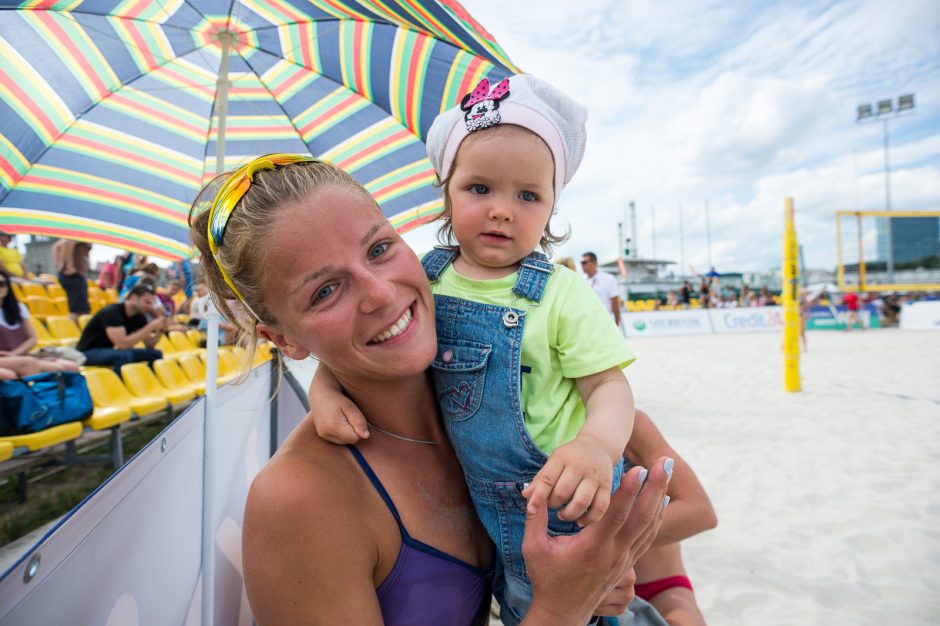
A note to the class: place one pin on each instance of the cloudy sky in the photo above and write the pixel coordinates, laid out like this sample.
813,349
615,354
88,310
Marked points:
735,104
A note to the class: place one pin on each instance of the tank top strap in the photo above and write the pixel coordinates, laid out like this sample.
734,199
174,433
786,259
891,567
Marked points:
533,276
379,488
437,260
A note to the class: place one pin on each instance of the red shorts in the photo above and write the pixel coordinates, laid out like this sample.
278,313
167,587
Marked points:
655,587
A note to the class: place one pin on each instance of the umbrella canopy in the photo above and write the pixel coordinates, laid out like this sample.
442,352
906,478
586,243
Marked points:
114,112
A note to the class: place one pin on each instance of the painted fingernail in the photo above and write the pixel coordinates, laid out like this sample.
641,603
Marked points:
525,486
641,477
667,466
665,502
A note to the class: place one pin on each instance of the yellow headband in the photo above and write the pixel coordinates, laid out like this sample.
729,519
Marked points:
234,188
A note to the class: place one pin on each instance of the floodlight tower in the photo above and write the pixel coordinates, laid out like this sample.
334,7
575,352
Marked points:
885,111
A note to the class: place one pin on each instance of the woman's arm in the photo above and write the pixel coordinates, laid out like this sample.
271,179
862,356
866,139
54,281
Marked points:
31,339
690,510
306,561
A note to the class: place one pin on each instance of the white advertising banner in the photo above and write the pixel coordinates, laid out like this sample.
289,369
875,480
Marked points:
660,323
129,554
747,319
923,315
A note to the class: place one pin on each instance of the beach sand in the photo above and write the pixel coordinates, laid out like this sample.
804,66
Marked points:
828,500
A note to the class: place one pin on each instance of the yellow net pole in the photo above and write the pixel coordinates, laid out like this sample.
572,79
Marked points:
791,305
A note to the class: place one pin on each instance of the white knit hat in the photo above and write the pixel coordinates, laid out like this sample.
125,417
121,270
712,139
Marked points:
521,100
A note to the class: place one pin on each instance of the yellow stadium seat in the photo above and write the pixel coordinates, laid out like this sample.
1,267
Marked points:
44,438
263,353
242,358
172,377
83,320
181,342
6,450
55,290
195,369
110,295
60,305
107,390
43,335
63,329
196,337
106,417
18,291
34,289
40,307
141,381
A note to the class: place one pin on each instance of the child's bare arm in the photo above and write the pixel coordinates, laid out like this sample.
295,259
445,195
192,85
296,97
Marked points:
578,473
336,417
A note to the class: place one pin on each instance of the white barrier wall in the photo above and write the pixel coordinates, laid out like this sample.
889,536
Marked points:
703,321
923,315
130,553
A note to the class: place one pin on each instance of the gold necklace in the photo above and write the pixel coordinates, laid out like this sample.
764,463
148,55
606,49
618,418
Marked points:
402,437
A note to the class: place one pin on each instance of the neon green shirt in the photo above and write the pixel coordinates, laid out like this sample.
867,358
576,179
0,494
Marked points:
568,336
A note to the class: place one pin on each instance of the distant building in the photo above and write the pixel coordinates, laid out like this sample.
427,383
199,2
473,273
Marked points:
912,238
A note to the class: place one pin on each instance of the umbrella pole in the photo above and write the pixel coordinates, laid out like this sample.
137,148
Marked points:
212,368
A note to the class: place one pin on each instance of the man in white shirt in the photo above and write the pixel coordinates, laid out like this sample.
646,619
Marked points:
603,284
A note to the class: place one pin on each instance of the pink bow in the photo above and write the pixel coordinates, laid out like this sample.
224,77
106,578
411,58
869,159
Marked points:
482,92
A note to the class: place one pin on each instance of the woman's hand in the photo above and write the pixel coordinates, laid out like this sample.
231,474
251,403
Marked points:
572,575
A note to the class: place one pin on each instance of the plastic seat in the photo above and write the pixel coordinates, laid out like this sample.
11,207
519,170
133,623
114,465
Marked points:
229,367
110,295
47,438
6,450
34,289
263,353
141,381
107,390
18,291
195,369
242,358
40,306
43,336
197,337
106,417
172,377
55,290
63,329
182,343
83,320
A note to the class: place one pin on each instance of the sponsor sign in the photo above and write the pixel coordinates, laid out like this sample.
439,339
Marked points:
747,319
661,323
923,315
834,317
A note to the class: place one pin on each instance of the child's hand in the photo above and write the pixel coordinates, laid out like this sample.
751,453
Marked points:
578,474
338,419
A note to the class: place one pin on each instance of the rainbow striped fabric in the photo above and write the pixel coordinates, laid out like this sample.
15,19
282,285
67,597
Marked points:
109,119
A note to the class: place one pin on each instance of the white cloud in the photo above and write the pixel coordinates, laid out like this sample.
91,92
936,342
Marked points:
737,104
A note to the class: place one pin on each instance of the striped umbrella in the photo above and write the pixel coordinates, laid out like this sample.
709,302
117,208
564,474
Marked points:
115,112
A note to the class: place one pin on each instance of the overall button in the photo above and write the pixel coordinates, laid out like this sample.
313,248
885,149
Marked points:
448,356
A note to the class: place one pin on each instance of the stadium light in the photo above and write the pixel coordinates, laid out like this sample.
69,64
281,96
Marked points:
885,112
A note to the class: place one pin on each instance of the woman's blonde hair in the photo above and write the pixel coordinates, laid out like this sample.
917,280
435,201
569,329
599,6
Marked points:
241,251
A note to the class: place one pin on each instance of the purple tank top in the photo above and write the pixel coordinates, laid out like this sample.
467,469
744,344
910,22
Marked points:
427,586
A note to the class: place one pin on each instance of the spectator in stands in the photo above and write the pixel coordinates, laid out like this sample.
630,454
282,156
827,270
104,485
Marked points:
110,336
17,335
745,295
167,297
11,261
765,298
603,284
72,262
672,299
150,272
704,296
685,294
13,367
108,273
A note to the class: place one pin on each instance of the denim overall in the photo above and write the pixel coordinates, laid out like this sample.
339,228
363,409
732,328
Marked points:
477,376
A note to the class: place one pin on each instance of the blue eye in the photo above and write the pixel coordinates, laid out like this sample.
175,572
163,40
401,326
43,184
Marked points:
480,189
528,196
378,250
324,292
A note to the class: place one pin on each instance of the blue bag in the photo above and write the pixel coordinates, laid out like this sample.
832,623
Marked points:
33,403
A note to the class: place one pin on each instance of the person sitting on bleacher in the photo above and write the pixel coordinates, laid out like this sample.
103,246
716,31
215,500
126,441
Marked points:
11,261
111,334
17,335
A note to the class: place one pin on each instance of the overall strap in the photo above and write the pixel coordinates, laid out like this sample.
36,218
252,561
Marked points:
437,260
533,275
